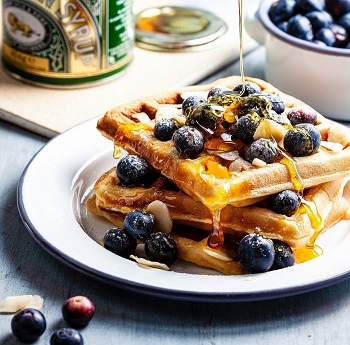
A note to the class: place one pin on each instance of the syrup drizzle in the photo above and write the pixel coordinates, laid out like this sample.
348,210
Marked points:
216,238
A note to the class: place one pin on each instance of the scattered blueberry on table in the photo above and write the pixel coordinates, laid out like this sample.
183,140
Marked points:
78,311
66,336
322,22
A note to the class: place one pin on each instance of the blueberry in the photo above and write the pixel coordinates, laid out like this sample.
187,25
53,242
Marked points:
283,26
319,20
284,256
299,26
189,141
344,21
337,7
78,311
277,102
66,336
164,129
134,171
285,202
28,325
302,115
120,242
302,140
305,6
139,224
190,102
246,127
281,10
256,253
161,247
326,36
262,149
250,88
341,36
217,90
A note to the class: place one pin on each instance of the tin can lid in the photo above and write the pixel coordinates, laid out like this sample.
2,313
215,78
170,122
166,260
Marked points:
177,28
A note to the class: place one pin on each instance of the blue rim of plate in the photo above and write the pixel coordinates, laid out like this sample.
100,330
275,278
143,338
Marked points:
155,291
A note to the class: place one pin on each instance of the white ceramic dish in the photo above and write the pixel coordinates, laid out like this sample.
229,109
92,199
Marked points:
51,194
317,75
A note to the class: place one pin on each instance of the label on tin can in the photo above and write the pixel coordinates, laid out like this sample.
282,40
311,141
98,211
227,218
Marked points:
67,42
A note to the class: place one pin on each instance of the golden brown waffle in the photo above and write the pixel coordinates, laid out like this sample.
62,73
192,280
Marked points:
111,198
198,177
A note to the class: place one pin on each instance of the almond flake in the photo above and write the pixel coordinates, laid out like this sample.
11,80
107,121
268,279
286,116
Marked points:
258,163
142,117
167,112
148,263
268,129
218,255
335,147
12,304
162,218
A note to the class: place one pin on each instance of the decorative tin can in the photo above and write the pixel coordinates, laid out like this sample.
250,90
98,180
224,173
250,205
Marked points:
67,43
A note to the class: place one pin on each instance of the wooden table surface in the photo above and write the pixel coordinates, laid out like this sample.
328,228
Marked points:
318,318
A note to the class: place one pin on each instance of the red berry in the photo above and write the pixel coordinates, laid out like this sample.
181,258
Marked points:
78,311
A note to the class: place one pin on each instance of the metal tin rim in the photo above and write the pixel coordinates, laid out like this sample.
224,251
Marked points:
215,29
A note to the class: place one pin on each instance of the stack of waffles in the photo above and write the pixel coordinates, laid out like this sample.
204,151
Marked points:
193,189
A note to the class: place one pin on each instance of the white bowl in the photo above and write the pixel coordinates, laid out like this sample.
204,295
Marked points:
320,76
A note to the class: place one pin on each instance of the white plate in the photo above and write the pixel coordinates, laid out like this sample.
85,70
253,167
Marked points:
51,194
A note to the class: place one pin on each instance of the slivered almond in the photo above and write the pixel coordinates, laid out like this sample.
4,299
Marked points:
12,304
270,129
162,218
218,255
258,163
148,263
167,112
335,147
142,117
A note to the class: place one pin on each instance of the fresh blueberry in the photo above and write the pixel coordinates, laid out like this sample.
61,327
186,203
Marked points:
281,10
302,115
164,129
284,256
283,26
191,101
189,141
326,36
262,149
341,36
305,6
344,21
337,7
120,242
161,247
28,325
66,336
217,90
319,19
277,102
249,88
246,127
134,171
299,26
139,224
302,140
285,202
256,253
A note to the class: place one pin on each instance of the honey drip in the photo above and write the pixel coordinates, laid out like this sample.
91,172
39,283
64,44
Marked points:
216,238
116,151
310,250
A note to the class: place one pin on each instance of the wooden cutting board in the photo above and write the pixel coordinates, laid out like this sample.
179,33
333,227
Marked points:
51,111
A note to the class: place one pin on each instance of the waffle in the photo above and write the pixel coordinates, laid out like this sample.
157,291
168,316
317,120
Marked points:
112,201
199,177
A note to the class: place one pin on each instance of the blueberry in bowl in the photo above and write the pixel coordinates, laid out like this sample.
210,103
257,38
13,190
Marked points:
306,50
